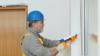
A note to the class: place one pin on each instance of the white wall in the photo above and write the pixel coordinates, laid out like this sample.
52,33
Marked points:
75,27
57,17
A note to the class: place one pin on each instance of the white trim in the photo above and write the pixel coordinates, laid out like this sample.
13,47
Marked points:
82,22
98,27
75,27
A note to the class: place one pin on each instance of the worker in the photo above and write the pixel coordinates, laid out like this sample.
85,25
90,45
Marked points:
33,44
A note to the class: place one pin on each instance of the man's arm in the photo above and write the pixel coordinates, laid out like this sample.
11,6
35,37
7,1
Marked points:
50,43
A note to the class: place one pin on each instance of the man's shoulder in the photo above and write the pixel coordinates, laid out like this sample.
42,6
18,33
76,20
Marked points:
27,34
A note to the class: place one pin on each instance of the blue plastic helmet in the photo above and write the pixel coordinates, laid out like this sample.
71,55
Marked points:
35,15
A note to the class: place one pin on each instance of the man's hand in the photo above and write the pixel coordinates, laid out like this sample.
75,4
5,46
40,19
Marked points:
61,46
67,42
53,51
71,39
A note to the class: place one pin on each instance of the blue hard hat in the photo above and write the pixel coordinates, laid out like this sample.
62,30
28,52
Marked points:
35,15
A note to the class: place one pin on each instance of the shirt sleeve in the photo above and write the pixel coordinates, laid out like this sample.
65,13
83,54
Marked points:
51,43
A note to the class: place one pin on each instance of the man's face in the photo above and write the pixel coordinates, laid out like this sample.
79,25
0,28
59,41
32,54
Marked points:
38,26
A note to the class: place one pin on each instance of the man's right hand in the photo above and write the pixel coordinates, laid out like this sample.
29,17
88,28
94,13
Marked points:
65,43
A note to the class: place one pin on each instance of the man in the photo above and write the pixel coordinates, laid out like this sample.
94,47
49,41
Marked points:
33,44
